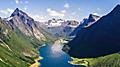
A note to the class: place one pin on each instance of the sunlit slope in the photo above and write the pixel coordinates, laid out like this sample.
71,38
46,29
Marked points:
15,49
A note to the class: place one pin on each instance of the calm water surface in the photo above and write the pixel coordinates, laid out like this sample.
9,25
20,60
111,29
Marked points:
53,56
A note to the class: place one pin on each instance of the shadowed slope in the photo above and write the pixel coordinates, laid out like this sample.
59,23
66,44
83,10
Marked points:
102,38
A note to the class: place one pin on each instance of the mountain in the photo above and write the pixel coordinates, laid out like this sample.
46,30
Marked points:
100,39
87,22
59,27
20,20
91,20
13,52
20,36
71,26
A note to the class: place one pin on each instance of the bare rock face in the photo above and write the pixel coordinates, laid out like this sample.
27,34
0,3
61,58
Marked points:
102,38
59,27
25,24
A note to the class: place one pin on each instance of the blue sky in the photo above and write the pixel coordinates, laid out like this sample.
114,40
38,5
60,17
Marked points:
66,9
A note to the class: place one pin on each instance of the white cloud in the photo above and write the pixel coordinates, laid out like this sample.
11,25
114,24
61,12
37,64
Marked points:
73,13
10,10
95,14
21,1
98,9
25,8
17,1
63,11
66,5
6,11
55,13
39,18
48,10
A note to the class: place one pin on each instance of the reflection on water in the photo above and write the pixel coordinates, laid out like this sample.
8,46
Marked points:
53,56
57,50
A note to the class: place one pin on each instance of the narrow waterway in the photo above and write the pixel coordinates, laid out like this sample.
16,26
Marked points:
53,56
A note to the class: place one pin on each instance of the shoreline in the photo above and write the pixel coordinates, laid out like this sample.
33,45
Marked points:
36,64
76,61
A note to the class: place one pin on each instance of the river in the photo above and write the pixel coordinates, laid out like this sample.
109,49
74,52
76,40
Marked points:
53,56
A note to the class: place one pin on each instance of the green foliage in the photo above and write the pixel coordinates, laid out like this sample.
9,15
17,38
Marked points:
15,49
107,61
112,60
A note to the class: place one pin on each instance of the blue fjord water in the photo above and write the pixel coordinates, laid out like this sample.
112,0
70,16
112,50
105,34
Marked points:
53,56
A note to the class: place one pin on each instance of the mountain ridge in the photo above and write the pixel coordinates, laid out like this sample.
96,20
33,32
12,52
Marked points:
87,22
25,24
98,39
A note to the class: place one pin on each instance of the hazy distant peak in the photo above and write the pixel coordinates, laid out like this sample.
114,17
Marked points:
94,16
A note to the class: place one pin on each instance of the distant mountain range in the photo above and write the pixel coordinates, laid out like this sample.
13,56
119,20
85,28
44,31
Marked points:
59,27
100,39
68,28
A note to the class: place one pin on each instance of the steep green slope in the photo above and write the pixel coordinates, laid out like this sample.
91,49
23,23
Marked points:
112,60
107,61
15,49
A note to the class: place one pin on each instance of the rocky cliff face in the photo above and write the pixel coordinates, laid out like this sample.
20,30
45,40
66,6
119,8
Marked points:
18,32
100,39
20,20
13,52
59,27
